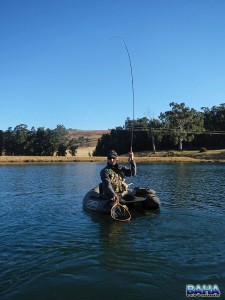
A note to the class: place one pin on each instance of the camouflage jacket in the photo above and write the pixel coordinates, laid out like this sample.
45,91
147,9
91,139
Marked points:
113,179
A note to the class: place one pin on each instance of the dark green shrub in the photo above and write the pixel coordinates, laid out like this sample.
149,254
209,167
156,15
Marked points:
203,149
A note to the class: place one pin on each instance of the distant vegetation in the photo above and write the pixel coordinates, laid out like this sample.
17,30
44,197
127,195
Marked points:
178,128
37,142
181,127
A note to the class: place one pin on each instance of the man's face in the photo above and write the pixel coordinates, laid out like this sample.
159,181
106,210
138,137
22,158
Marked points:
112,160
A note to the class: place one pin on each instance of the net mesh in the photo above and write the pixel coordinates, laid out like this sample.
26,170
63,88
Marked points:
120,212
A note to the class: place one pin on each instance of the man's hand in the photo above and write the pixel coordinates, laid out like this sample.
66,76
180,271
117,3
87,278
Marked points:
131,155
116,198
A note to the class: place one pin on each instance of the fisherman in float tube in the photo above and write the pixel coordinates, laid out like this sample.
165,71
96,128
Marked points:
113,176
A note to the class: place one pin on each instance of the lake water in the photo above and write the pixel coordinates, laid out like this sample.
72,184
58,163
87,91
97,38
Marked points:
52,249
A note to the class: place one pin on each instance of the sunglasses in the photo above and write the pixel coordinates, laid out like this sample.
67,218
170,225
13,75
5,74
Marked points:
111,157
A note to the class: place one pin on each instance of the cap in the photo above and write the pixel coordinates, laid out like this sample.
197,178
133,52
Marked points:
112,154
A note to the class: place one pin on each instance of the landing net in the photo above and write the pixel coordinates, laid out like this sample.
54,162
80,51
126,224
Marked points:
120,212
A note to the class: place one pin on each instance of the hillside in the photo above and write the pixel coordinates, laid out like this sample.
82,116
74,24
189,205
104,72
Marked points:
88,140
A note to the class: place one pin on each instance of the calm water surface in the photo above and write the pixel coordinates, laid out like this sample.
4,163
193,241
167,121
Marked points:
52,249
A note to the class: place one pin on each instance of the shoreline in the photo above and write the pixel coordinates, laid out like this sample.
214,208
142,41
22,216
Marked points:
11,160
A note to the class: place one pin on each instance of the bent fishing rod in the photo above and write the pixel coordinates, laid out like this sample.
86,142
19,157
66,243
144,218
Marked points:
132,84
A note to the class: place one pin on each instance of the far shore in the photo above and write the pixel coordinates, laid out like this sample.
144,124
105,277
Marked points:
144,157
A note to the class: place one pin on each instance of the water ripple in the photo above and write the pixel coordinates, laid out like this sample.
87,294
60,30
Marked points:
52,249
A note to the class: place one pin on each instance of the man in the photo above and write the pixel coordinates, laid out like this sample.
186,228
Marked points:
113,176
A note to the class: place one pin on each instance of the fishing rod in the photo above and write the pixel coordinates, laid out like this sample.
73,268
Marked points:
132,84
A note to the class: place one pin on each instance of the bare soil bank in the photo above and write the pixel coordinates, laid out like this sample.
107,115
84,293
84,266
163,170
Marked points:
144,157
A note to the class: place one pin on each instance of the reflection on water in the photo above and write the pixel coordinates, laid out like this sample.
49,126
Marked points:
52,249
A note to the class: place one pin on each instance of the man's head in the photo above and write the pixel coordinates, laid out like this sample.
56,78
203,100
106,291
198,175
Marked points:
112,157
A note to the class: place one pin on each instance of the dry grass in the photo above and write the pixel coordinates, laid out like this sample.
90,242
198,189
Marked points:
44,159
143,157
84,151
91,135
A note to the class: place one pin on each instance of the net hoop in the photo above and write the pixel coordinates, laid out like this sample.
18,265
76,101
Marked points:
123,210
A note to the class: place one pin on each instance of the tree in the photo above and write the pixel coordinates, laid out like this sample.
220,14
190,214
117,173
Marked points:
214,118
140,123
9,141
1,141
103,145
73,146
20,135
42,144
153,124
182,122
60,140
156,135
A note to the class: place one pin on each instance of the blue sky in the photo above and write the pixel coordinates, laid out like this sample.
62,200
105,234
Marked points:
60,65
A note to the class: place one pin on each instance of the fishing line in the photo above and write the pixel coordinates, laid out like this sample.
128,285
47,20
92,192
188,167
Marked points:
132,84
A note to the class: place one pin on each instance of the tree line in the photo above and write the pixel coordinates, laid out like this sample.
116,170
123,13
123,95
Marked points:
178,128
37,142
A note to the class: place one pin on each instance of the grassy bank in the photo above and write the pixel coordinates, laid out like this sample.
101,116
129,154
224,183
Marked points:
142,157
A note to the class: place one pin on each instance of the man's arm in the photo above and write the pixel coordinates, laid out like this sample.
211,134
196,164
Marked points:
106,184
132,170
